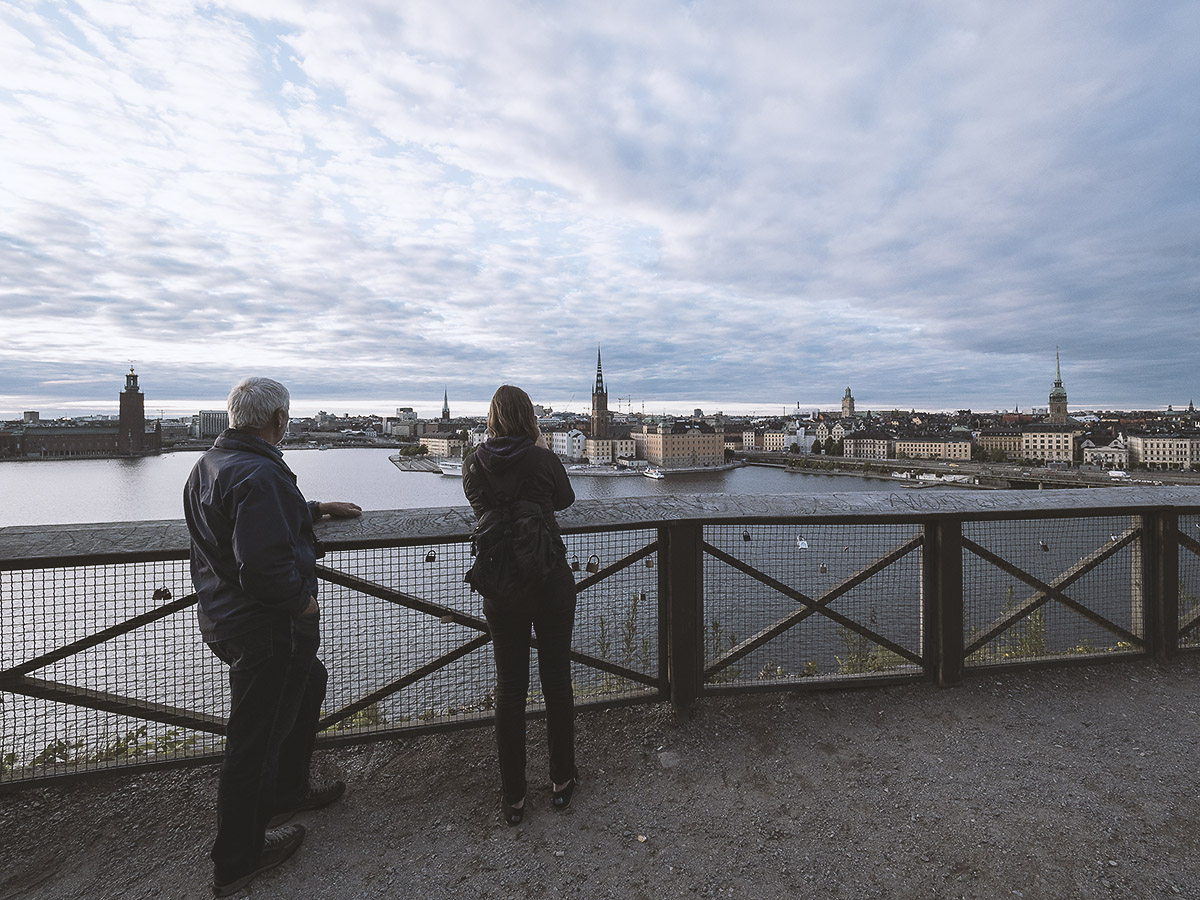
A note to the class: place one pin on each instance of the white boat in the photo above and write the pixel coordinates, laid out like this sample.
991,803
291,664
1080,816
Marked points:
653,473
451,467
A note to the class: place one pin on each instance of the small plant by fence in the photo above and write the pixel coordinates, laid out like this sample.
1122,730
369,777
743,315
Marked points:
101,665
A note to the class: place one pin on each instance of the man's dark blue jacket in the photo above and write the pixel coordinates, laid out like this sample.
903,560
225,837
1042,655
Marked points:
253,549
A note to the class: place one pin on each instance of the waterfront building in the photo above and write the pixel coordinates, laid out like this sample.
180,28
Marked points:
678,447
127,436
1005,440
131,422
568,444
868,445
605,445
212,422
954,448
1113,455
777,441
443,444
1164,451
52,442
1051,442
609,450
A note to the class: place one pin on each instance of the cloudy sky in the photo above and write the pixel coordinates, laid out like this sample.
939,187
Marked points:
753,203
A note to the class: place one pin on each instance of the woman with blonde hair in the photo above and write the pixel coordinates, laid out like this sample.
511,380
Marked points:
514,465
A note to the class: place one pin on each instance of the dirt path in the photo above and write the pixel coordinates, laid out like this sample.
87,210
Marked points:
1069,783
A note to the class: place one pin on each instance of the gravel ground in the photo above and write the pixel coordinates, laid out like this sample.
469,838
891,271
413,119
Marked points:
1064,783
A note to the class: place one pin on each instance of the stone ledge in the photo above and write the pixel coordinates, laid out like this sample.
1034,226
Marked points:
166,538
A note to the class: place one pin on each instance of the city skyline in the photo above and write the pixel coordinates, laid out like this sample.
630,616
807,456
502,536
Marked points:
468,407
753,206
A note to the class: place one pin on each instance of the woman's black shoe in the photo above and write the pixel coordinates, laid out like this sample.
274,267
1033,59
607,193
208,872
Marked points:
512,814
562,798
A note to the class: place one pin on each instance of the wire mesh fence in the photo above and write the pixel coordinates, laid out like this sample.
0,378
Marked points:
403,637
617,615
102,665
92,705
1044,588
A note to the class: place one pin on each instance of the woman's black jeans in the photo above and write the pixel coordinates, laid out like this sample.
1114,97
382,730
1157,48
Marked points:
551,617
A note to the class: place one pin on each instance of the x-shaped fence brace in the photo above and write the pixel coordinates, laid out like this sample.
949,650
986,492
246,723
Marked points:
809,606
447,615
1044,592
18,681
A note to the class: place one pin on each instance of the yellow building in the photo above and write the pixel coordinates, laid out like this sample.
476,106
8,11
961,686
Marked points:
1050,443
608,450
443,444
691,449
867,445
1006,440
932,448
1164,451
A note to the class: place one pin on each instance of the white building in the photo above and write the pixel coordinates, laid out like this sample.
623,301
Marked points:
1164,451
212,422
1113,455
569,445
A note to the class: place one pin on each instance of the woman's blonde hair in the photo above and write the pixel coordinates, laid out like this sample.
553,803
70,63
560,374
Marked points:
511,414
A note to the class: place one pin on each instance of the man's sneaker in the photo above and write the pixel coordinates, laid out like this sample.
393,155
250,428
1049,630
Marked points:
278,846
319,795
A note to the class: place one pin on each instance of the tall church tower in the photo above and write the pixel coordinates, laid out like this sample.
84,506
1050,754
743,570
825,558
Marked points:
445,406
599,404
1058,396
131,430
847,405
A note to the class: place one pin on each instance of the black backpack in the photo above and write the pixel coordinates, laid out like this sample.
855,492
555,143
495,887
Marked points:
514,551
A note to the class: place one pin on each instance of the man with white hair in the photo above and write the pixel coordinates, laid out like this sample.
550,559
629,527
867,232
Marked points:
254,559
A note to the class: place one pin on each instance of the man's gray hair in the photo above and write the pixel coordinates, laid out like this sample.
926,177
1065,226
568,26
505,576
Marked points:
254,400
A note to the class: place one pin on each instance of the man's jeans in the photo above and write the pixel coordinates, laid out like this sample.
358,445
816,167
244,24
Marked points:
552,619
276,687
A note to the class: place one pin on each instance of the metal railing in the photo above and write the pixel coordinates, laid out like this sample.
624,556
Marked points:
101,664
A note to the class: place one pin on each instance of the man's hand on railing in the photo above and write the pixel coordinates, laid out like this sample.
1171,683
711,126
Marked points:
339,509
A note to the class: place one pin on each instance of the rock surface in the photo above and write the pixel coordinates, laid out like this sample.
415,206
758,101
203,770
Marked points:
1077,782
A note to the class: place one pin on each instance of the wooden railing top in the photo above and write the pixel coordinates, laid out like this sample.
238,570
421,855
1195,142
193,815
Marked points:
169,538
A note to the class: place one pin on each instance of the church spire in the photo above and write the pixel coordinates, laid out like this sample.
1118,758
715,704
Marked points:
445,406
1058,394
599,404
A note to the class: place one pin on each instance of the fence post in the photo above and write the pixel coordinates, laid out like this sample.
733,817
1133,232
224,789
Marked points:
942,601
1155,588
684,576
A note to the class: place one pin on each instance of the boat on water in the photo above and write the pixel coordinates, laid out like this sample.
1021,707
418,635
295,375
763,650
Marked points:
653,473
451,467
599,469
